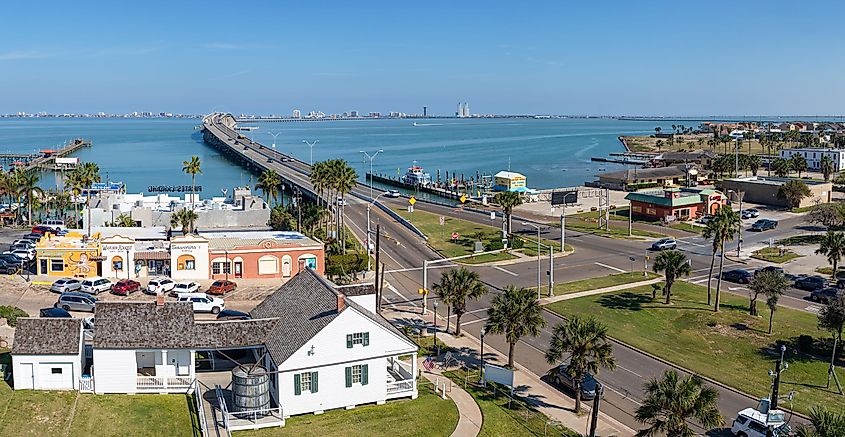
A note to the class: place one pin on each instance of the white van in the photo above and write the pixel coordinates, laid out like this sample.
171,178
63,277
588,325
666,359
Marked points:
95,285
202,302
54,223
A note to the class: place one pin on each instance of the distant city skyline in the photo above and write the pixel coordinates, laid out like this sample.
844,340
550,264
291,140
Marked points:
659,58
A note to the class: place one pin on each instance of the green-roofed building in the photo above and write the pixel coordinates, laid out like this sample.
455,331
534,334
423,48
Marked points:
676,203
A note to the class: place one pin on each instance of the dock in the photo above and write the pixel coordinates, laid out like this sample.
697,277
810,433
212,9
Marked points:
47,159
622,160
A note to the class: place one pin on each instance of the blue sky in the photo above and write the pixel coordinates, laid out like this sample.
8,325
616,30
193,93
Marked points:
602,58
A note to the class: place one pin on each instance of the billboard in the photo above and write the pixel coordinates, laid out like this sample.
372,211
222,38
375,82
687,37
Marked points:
561,197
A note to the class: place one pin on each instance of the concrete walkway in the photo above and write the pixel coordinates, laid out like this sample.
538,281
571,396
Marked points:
528,385
469,415
576,295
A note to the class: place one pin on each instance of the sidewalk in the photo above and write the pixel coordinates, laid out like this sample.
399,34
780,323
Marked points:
545,398
470,417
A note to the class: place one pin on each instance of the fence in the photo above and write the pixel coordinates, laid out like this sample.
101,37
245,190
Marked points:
86,384
165,383
518,408
196,391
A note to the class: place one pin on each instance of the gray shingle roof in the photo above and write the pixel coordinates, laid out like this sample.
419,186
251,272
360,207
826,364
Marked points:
305,305
47,336
140,325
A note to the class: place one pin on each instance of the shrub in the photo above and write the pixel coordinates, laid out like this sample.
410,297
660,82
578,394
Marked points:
11,314
337,265
805,343
516,243
494,244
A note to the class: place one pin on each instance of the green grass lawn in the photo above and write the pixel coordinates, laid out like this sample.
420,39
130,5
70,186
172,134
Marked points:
729,346
801,240
48,413
529,246
828,271
774,255
518,420
590,227
685,226
440,237
426,416
601,282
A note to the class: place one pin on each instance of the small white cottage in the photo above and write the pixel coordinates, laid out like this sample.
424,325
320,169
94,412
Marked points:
47,354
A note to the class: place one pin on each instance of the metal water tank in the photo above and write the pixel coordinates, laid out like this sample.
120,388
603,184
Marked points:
250,390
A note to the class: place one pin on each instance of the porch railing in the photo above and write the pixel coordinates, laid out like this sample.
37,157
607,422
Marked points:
400,386
165,383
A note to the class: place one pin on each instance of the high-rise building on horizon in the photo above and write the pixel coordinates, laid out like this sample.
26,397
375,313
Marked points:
297,113
463,110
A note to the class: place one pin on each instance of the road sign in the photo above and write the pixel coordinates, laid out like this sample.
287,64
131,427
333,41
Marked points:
422,291
564,197
463,198
442,220
412,200
492,215
455,235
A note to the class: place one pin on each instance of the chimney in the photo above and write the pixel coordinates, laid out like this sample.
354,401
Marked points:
159,300
341,302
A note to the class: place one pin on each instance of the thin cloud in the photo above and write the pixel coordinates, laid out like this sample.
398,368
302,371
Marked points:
225,46
123,51
17,55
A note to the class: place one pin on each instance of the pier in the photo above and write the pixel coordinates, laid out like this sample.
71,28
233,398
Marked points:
47,159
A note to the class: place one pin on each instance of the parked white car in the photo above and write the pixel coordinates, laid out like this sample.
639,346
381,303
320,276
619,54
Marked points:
65,285
184,287
27,254
752,423
95,285
160,285
202,302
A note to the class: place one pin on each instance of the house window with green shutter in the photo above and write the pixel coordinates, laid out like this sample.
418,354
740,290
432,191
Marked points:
305,382
358,374
362,338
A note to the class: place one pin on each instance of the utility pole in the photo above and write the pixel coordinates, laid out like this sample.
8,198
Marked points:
311,146
594,414
776,383
375,278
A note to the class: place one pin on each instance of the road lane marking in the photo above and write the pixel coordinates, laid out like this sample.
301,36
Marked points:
813,308
472,312
404,299
630,371
611,267
474,321
505,271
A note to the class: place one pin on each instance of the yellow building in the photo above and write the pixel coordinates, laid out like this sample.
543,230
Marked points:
70,255
509,181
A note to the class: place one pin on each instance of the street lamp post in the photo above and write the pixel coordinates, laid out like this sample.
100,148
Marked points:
436,353
311,146
368,229
275,135
371,158
226,266
739,194
563,222
481,371
539,259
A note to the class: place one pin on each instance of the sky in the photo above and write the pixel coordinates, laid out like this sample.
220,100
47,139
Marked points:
672,58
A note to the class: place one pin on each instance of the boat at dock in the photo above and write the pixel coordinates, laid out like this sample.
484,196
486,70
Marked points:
416,176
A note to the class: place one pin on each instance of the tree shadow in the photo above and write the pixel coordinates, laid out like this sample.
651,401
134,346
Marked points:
624,301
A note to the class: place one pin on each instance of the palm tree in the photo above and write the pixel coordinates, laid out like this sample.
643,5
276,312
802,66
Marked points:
184,218
269,182
515,313
730,225
794,191
780,166
754,163
827,167
672,401
508,200
825,423
798,163
124,221
713,232
832,319
456,286
833,247
674,264
589,349
657,130
74,184
192,168
343,179
28,186
89,174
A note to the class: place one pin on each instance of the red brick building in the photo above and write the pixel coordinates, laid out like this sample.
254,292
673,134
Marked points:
677,203
262,254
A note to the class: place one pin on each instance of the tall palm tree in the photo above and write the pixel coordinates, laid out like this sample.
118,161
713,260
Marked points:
28,186
343,179
798,163
508,200
193,168
833,247
269,182
514,314
183,218
74,185
588,347
730,224
754,163
674,264
456,286
823,423
780,166
672,401
832,319
713,232
89,174
827,167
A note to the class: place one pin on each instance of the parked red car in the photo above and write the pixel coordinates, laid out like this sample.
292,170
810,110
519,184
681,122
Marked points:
42,230
125,286
222,287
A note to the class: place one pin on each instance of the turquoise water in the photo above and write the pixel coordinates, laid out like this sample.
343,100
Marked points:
143,152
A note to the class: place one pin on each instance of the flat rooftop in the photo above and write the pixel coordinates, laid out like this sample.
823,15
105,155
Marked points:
228,239
774,181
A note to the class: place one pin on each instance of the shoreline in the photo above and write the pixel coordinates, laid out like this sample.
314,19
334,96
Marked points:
621,139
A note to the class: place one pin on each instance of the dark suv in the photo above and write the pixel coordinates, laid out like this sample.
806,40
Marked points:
764,225
810,283
825,295
739,276
588,386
